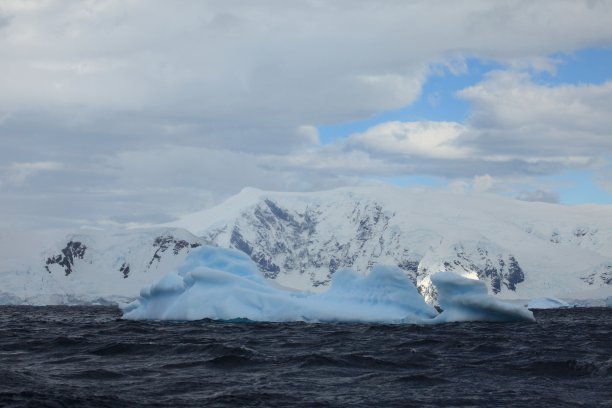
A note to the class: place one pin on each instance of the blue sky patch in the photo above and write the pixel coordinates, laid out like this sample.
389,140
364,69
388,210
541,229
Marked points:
438,102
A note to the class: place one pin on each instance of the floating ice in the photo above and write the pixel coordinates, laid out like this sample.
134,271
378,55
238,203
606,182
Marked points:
225,284
463,299
547,303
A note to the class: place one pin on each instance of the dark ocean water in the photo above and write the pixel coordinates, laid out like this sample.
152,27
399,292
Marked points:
88,356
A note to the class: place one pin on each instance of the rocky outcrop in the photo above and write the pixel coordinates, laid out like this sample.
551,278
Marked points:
298,242
65,260
166,242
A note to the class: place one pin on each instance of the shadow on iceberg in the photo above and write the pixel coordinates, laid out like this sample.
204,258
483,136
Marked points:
464,300
225,284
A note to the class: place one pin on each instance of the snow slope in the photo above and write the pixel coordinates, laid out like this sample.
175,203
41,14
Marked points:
520,250
97,266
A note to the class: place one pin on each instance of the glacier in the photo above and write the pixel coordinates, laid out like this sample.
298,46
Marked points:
225,284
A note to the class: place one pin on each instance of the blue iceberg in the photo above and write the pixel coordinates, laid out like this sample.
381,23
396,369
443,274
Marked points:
225,284
463,300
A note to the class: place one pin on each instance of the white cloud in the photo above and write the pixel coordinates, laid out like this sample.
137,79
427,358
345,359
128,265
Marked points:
426,139
483,183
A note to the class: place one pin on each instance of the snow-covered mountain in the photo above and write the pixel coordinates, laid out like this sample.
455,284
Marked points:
521,250
97,266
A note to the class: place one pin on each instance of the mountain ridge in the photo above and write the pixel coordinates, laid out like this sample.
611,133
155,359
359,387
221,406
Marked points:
521,250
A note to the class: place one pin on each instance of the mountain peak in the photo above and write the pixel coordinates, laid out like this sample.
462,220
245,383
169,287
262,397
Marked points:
520,250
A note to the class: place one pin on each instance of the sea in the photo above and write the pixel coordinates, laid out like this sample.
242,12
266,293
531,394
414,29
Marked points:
87,356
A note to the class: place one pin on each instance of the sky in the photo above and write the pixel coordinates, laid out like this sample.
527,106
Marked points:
135,112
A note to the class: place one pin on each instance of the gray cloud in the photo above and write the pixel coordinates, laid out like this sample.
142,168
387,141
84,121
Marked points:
138,103
5,20
539,196
514,116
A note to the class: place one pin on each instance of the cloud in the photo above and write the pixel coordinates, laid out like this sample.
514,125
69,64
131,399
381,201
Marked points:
18,173
540,196
512,115
478,184
138,103
269,67
5,20
427,139
309,133
516,128
483,183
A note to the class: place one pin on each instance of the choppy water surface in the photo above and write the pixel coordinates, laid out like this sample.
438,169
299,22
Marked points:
88,356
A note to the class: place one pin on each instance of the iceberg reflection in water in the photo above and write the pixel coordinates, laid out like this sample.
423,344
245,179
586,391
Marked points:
225,284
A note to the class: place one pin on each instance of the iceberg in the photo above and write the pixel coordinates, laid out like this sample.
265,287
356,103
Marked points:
463,300
547,303
225,284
